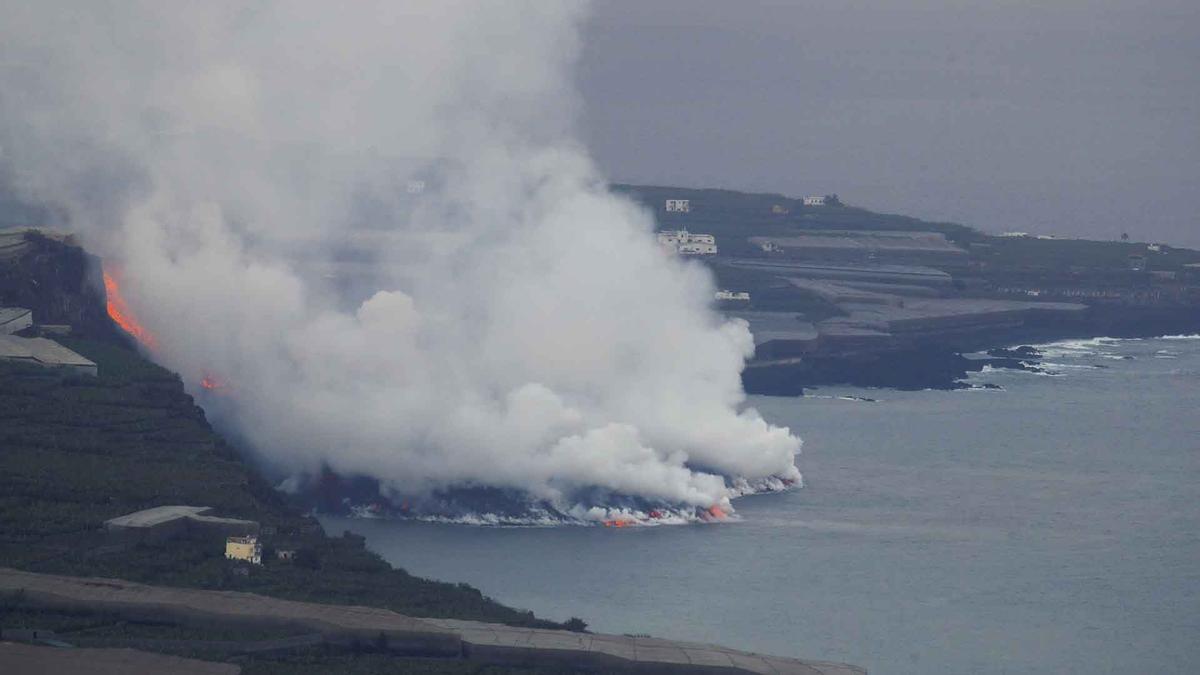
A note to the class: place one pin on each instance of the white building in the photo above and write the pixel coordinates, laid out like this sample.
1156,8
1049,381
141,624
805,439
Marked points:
736,296
164,522
45,353
678,206
697,249
246,548
686,243
814,201
416,187
14,319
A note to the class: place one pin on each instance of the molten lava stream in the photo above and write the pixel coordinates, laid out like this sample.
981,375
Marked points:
212,382
119,312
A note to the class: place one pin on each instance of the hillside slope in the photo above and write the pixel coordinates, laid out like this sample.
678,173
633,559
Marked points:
75,451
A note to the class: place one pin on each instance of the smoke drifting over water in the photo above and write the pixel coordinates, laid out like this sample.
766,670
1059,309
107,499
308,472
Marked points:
496,317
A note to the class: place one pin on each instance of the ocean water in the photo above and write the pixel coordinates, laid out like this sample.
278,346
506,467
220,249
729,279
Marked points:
1052,526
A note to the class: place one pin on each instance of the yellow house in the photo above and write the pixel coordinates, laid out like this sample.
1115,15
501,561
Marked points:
245,548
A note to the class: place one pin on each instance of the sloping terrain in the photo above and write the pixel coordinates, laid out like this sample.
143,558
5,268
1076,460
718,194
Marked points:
389,632
75,451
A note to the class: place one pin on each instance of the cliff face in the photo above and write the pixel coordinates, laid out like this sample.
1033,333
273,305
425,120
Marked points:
55,278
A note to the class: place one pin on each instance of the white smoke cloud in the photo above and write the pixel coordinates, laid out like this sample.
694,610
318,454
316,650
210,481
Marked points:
520,328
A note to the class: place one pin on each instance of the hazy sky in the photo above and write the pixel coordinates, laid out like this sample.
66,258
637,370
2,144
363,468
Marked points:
1071,118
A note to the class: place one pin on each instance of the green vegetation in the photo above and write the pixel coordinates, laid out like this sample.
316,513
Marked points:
1030,252
76,451
734,216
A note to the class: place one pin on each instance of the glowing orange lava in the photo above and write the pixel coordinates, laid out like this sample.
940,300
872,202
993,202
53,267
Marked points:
214,383
120,313
716,512
210,382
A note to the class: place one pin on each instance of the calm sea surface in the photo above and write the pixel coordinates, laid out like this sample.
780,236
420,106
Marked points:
1050,527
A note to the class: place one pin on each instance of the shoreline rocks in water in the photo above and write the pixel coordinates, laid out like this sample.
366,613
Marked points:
908,370
785,366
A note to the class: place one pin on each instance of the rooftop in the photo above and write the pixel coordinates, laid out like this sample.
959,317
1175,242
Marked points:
156,516
844,270
866,240
41,351
769,326
10,313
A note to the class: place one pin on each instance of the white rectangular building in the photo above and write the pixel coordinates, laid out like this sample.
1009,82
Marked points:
814,201
697,249
678,206
686,243
44,353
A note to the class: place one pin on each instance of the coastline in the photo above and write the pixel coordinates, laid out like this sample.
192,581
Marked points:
943,362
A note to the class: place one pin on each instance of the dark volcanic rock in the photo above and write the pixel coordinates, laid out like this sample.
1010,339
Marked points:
913,369
60,282
1022,352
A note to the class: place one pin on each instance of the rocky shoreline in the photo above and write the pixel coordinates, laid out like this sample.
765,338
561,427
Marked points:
943,362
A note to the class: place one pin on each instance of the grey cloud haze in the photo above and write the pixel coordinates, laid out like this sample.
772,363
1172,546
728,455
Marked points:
1068,117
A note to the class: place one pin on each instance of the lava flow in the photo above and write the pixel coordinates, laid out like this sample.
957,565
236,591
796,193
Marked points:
211,382
120,313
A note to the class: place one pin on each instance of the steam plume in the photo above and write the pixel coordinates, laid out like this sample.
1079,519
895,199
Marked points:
375,223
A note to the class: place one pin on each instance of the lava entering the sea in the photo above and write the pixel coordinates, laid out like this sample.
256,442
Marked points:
119,312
